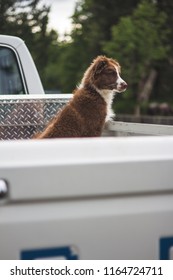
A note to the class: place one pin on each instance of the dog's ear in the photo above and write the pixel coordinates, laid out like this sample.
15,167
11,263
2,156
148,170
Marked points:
99,64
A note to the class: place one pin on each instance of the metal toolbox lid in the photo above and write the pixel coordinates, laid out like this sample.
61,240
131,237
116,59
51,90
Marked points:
23,116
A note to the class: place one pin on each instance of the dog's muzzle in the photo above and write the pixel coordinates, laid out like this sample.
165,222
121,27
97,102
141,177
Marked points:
122,87
118,87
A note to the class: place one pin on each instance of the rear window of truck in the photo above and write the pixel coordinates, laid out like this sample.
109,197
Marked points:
10,75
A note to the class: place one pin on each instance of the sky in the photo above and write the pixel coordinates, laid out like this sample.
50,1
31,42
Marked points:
59,16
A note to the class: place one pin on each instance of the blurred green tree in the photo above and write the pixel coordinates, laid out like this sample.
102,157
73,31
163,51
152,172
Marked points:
92,22
23,18
28,19
164,87
139,42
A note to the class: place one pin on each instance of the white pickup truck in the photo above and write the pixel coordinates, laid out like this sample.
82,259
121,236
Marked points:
100,198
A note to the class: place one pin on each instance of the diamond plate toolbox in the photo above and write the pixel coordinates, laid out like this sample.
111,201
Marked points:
21,118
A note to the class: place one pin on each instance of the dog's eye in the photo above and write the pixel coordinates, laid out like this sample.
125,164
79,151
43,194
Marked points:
111,72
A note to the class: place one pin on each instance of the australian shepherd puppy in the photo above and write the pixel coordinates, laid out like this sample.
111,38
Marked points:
86,113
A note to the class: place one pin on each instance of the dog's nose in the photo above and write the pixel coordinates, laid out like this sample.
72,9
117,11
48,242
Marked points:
123,85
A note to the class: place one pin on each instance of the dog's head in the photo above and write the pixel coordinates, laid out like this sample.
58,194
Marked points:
104,74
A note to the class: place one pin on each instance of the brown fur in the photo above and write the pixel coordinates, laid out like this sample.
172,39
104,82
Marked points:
85,114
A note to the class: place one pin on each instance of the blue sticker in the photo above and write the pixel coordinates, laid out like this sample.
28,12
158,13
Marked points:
166,244
50,253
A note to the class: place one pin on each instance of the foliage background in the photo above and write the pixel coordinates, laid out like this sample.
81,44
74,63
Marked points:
138,33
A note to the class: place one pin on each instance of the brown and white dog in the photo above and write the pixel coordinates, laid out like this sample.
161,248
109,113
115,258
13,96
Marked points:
85,115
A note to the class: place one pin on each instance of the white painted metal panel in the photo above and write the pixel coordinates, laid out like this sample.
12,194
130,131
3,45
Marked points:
139,129
108,228
68,168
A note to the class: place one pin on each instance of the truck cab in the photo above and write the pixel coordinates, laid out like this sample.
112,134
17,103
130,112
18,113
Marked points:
18,73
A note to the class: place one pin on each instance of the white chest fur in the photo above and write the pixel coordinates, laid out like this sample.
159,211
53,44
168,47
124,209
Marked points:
108,97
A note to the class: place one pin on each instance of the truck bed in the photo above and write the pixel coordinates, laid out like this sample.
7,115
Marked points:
90,198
